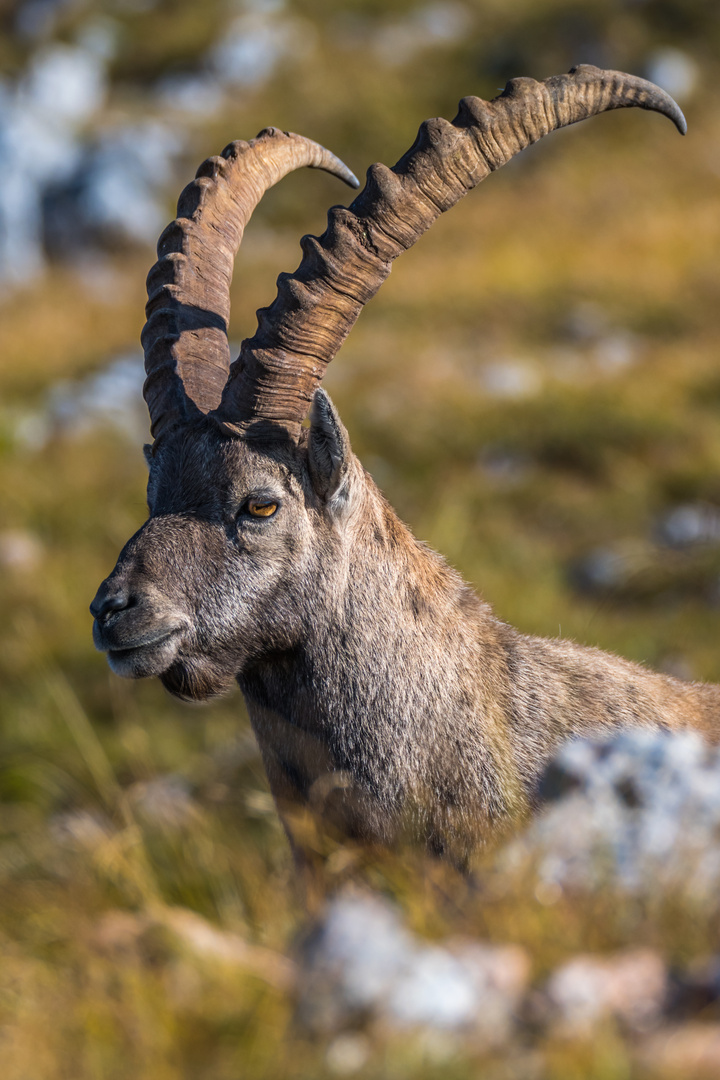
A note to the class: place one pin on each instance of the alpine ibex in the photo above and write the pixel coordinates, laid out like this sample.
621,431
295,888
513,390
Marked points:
379,686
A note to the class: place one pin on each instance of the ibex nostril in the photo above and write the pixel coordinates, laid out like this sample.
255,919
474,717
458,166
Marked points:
107,603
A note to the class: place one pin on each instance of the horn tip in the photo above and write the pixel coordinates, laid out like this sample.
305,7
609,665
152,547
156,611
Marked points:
670,108
654,97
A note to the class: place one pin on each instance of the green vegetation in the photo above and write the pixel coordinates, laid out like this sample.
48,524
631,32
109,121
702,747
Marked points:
590,264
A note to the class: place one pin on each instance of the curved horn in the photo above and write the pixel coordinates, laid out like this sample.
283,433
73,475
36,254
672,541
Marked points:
187,356
279,368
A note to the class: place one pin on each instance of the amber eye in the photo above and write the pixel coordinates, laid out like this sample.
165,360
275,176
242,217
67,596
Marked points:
261,508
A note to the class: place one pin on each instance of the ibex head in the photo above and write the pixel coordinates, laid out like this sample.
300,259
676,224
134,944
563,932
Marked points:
250,513
222,572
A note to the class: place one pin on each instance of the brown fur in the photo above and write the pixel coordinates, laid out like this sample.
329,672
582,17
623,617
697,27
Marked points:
383,692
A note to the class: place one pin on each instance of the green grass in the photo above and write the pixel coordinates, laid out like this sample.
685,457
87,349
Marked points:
96,980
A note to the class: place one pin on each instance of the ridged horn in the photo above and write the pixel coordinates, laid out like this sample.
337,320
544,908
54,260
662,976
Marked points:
280,367
187,357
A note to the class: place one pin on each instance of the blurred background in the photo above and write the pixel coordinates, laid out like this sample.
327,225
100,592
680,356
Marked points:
536,389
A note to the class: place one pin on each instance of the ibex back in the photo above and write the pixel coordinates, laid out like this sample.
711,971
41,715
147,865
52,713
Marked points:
381,689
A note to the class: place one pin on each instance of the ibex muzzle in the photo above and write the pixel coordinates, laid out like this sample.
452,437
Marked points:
381,689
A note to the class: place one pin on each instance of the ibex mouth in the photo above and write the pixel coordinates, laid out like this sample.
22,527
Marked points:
145,658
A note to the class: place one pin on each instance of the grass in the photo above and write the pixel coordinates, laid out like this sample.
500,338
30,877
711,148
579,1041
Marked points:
100,977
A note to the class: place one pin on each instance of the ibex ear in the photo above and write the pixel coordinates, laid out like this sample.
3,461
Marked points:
329,451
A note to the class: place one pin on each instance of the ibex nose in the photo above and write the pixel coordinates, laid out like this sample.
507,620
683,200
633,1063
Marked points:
109,599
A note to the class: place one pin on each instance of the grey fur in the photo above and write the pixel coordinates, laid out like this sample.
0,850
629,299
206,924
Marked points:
385,695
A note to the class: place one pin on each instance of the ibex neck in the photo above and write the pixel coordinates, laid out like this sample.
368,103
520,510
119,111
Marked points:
381,611
387,669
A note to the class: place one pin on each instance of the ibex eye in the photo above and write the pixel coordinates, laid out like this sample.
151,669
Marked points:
261,508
